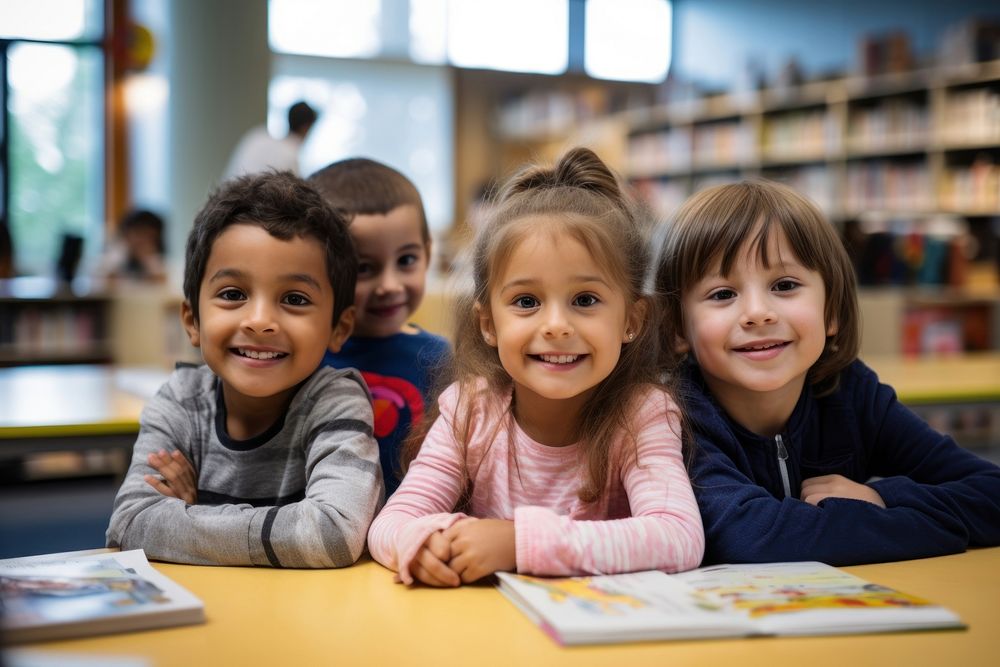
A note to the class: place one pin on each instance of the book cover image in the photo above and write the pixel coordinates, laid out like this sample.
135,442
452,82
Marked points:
610,608
44,594
56,596
760,591
613,596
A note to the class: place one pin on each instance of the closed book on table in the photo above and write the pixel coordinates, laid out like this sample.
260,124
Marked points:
57,596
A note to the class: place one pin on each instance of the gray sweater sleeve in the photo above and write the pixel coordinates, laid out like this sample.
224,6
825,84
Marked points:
324,453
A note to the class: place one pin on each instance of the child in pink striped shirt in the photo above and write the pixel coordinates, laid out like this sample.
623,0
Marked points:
556,451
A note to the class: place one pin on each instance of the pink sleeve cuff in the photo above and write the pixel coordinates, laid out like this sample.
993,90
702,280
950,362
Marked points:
537,553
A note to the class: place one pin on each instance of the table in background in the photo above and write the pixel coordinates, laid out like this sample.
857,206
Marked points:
54,408
958,395
970,377
66,437
357,616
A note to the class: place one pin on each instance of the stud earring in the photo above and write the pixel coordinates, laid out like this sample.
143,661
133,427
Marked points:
631,335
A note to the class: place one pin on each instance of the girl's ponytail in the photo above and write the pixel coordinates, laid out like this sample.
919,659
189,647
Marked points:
578,168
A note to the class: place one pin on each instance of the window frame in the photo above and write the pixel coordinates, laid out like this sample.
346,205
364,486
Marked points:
112,178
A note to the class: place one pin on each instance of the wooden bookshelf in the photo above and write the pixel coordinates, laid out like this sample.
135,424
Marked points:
919,133
898,152
43,321
910,154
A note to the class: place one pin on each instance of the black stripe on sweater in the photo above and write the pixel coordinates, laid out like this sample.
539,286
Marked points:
265,537
213,498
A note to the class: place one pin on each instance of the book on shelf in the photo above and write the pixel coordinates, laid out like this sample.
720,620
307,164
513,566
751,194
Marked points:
767,599
943,330
58,596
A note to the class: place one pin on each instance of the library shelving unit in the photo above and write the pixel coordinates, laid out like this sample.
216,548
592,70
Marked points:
45,322
913,155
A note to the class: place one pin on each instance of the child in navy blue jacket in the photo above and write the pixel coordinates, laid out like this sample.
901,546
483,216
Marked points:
799,452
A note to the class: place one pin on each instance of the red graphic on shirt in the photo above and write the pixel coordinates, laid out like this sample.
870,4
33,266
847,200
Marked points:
389,396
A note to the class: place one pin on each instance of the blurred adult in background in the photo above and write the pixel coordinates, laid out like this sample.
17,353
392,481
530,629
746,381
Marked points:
258,151
138,251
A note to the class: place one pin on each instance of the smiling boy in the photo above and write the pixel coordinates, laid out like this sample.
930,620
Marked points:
257,457
397,358
800,452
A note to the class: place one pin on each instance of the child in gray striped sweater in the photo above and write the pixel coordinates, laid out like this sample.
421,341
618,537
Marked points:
257,457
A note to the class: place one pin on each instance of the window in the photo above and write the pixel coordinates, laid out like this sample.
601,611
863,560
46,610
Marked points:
51,20
515,35
324,28
628,41
397,113
428,31
52,161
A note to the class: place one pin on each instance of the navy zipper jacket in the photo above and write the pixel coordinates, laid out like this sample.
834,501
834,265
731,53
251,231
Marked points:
940,498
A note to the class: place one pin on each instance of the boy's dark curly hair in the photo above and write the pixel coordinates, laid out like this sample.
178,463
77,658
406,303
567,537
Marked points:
284,205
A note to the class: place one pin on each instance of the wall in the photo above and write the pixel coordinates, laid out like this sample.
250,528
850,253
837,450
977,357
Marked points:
714,38
218,75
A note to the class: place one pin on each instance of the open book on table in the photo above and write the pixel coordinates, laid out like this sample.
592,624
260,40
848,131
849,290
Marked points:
718,601
56,596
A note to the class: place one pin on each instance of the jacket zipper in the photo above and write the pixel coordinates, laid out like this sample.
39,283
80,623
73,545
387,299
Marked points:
782,457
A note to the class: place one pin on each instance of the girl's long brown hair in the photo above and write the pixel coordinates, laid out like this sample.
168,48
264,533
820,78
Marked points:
581,198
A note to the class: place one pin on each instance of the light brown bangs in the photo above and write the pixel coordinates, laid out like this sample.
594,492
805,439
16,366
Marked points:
593,234
495,251
750,235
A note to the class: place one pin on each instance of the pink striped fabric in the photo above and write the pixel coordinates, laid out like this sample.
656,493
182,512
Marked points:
646,519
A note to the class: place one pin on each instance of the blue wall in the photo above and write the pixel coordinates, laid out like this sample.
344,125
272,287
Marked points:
714,38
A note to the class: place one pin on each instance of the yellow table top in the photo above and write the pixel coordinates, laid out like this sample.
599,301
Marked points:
966,377
358,616
74,400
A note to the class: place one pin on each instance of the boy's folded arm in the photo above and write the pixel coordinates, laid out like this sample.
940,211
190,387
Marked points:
343,486
167,528
328,527
745,523
927,471
325,529
304,534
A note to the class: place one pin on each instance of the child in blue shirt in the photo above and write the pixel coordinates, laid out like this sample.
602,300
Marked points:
396,358
800,452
